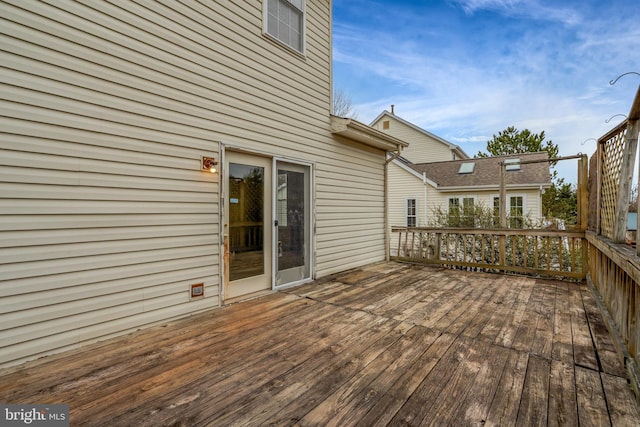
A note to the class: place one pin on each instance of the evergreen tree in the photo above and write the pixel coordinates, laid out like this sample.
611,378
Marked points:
560,200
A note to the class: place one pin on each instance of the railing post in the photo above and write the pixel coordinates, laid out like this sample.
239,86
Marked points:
503,195
503,213
583,191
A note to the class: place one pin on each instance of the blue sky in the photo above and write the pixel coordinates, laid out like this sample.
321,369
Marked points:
467,69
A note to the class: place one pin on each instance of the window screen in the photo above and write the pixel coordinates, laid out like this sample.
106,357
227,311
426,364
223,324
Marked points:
285,22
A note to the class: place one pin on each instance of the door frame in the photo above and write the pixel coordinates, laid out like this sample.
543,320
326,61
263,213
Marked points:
256,284
224,268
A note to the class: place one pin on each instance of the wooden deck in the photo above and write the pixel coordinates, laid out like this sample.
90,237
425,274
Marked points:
388,344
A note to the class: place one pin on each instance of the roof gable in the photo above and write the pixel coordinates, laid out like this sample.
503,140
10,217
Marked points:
386,114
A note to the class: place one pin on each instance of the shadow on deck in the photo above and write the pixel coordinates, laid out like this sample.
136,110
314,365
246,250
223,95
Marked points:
389,343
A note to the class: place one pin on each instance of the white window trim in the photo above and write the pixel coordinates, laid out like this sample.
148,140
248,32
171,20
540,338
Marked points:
406,211
461,201
300,6
509,196
524,202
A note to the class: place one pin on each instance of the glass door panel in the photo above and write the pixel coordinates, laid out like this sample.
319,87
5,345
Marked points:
293,223
246,221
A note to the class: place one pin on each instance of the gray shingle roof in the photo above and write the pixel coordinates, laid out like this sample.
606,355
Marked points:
487,172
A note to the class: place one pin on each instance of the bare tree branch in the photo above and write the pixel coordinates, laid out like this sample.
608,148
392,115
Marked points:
342,106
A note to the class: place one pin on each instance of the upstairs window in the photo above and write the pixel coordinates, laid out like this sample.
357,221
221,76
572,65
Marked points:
285,22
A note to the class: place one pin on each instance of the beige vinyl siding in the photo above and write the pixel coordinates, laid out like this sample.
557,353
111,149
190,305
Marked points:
422,148
349,210
404,185
107,109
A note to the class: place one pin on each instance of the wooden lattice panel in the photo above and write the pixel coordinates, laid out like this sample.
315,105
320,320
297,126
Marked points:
612,156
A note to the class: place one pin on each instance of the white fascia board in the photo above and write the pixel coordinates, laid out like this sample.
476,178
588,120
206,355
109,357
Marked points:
357,131
494,187
414,173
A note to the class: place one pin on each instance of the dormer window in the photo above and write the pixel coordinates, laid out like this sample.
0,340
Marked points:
284,20
467,167
512,164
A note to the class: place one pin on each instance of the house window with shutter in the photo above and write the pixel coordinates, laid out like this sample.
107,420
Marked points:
412,213
284,21
385,124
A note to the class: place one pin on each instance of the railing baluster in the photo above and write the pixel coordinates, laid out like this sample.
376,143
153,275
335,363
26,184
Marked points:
560,249
548,245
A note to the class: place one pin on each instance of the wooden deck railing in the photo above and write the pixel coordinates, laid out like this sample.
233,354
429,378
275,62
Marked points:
554,253
614,271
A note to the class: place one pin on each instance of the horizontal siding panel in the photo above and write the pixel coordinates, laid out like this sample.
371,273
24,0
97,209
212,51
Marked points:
170,293
193,109
37,137
354,197
208,220
361,209
338,228
66,265
29,113
92,180
371,245
19,147
33,284
130,170
81,194
12,239
344,233
48,207
283,139
144,283
337,264
77,249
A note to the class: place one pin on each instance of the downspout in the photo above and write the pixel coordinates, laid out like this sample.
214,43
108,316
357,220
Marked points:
424,183
387,231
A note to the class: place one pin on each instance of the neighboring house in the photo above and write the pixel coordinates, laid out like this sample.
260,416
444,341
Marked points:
418,190
423,145
428,177
112,114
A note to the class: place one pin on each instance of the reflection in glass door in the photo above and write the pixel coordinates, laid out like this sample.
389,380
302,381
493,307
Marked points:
248,212
293,223
246,221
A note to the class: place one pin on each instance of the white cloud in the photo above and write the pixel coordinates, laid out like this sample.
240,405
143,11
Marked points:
533,9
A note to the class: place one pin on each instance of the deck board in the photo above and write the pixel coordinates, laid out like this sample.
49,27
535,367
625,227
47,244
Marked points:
385,344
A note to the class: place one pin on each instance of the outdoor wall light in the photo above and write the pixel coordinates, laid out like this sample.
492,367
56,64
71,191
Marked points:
209,164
